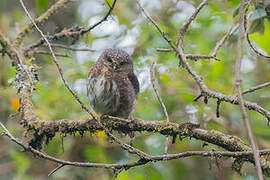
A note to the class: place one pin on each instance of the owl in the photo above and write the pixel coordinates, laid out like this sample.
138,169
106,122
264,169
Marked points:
112,86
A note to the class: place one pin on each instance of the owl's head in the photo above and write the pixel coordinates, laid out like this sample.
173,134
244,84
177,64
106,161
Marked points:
116,59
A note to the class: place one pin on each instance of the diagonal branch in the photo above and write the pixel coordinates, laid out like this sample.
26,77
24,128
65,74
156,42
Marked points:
56,169
255,88
223,39
156,25
184,28
239,92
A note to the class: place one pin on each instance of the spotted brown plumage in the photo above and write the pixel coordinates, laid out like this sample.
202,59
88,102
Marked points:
112,86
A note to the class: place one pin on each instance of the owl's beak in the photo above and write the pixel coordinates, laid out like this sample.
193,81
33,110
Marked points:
115,65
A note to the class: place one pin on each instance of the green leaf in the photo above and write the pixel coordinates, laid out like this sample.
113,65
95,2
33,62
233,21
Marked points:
41,6
258,14
263,39
236,11
257,26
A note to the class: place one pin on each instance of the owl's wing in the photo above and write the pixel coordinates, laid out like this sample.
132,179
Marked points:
134,81
91,74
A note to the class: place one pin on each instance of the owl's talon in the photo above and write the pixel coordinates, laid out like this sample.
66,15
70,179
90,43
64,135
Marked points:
189,126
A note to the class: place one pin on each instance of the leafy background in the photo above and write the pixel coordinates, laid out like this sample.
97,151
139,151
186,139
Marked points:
126,28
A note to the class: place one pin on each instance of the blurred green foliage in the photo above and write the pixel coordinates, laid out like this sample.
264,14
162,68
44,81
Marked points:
42,5
128,29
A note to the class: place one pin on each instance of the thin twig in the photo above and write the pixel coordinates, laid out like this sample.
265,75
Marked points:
184,28
239,92
49,53
12,138
164,50
223,39
190,56
180,50
153,78
198,97
181,32
71,48
252,89
56,169
198,56
156,25
218,108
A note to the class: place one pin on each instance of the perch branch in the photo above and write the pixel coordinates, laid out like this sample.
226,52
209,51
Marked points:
50,128
228,142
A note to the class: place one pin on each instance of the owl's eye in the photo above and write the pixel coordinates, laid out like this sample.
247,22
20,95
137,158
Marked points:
109,59
122,63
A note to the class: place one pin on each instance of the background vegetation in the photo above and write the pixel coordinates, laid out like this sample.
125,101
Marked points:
128,29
